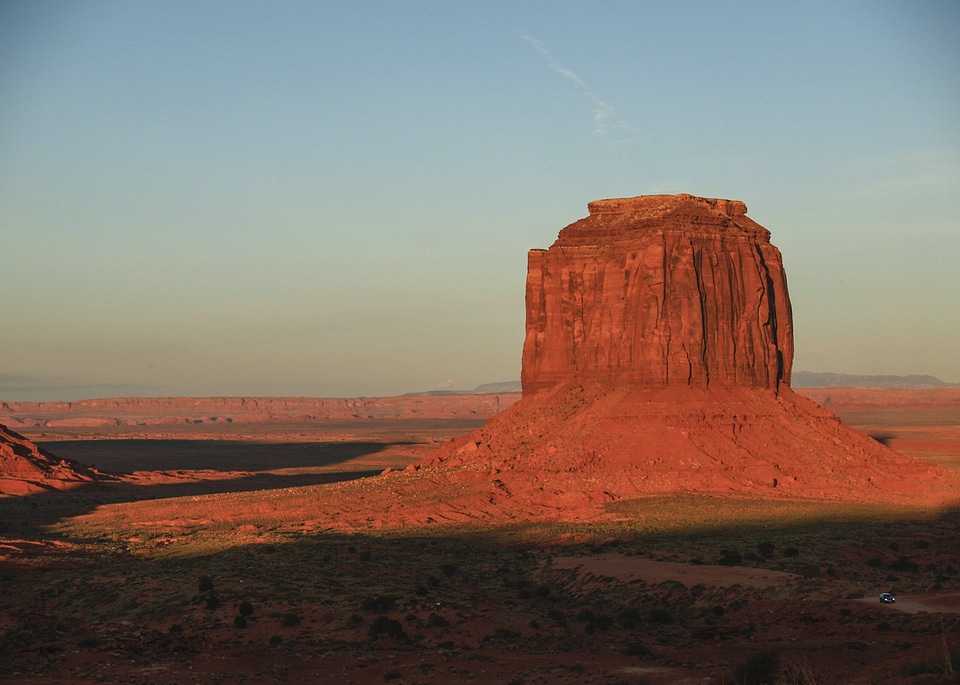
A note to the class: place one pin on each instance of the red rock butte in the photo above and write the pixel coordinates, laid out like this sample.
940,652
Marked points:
656,291
657,359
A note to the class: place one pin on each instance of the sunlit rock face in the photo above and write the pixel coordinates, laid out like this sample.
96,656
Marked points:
656,291
25,468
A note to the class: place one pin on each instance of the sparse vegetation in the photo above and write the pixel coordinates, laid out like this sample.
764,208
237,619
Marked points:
395,588
761,668
383,625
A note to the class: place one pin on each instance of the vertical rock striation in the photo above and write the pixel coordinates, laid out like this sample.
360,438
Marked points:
658,291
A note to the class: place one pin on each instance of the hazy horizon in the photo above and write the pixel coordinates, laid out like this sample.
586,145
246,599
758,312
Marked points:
337,199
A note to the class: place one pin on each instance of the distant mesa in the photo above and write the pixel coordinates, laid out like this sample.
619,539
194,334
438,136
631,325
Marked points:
503,387
808,379
25,468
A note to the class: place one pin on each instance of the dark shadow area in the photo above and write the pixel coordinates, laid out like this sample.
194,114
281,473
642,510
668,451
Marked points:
27,516
127,456
883,438
484,603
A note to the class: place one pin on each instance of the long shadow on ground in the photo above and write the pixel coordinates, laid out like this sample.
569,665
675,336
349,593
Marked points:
485,603
28,516
126,456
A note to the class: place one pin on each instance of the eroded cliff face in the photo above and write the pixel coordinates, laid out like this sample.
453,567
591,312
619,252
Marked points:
657,291
25,468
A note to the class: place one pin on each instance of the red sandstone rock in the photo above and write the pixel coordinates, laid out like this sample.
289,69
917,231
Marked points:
657,359
25,468
659,290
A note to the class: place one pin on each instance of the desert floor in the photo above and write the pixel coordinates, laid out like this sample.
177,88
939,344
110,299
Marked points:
196,564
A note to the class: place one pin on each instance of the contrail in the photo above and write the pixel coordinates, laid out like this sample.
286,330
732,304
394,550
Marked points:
603,114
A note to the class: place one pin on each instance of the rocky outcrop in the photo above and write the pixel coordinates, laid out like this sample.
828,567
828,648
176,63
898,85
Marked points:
25,468
655,291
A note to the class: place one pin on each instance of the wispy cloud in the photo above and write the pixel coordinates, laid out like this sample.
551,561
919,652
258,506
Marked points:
605,117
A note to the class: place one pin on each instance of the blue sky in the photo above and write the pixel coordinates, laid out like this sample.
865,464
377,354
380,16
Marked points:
337,199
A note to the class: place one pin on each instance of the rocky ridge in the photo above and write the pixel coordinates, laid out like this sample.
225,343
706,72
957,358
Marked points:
25,468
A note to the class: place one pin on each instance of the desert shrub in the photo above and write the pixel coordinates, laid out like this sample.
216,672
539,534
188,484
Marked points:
729,557
922,544
437,621
718,610
602,621
904,564
176,629
857,645
240,622
365,555
88,643
535,624
505,634
379,603
766,548
434,581
383,625
845,612
894,547
245,608
355,620
289,620
542,591
940,666
638,649
276,641
875,562
630,617
791,552
759,669
661,616
585,616
420,591
213,602
883,626
205,584
449,569
558,616
525,594
393,674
